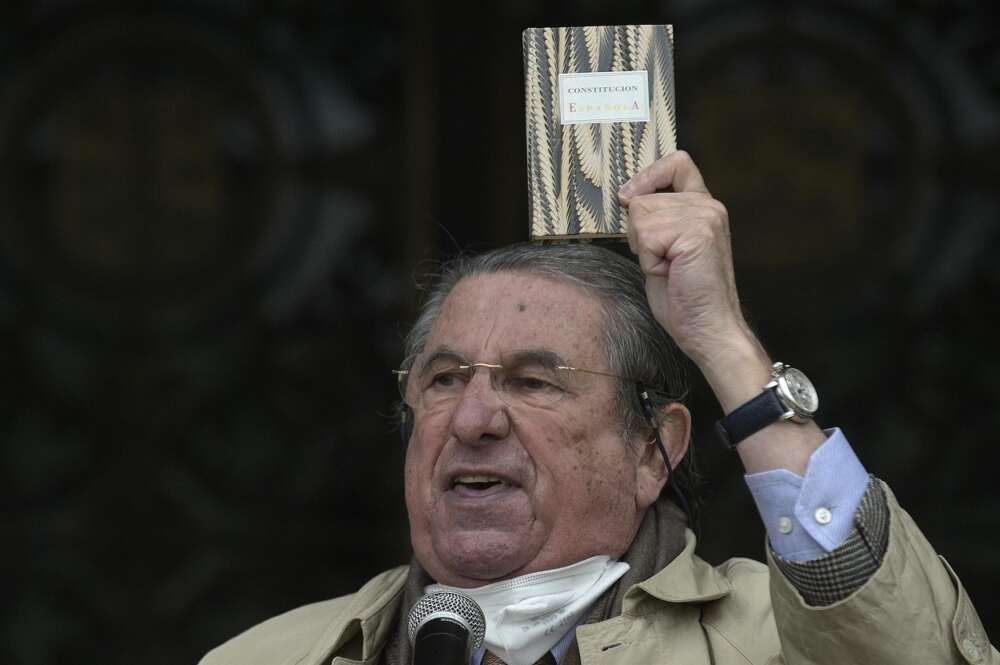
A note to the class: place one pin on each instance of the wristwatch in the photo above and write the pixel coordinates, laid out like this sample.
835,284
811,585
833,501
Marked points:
789,396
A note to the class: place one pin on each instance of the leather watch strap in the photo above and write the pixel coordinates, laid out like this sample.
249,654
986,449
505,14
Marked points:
750,418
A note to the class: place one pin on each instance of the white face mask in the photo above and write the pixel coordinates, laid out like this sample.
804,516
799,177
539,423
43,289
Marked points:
526,616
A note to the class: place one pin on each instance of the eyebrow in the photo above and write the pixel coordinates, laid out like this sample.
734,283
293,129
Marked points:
543,357
442,353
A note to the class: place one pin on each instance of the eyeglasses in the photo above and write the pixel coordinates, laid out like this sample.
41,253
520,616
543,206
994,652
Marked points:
532,379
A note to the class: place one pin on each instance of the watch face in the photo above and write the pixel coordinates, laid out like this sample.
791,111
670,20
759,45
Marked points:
799,391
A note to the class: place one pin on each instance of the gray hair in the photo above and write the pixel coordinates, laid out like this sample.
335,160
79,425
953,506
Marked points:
638,347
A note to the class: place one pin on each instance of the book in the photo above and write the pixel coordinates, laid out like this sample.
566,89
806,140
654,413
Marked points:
599,106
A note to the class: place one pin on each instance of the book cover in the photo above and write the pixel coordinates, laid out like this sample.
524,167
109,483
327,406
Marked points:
599,106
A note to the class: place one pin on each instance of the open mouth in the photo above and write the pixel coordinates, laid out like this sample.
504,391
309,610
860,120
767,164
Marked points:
477,483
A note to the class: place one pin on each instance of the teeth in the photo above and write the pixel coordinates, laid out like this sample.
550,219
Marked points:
477,479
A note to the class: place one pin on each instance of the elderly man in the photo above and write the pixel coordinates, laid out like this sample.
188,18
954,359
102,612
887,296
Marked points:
546,460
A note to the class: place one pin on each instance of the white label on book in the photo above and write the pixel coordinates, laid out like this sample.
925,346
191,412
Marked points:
603,97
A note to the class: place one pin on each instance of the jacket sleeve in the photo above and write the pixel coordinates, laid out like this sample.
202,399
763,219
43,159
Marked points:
908,608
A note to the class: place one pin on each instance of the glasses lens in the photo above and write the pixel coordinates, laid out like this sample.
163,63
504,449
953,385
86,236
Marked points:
529,381
442,380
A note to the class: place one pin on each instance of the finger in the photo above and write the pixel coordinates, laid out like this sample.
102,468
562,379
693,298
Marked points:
652,254
650,239
669,208
651,203
658,239
630,229
676,170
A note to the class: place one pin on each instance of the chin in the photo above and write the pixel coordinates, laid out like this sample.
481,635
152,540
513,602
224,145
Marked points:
477,558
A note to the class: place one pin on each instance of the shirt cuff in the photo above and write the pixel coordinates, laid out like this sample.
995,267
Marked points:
808,517
834,577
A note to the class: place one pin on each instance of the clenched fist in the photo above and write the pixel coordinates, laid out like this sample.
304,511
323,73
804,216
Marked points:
682,241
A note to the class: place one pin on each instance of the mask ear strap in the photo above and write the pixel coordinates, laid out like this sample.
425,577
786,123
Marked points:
647,409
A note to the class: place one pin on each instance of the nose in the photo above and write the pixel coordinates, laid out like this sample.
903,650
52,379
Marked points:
480,416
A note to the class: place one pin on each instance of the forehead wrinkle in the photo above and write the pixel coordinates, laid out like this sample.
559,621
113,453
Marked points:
491,332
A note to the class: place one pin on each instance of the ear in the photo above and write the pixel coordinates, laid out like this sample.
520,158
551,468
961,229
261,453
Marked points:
651,475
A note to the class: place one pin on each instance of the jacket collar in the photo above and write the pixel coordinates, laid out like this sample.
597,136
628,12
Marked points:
686,579
372,611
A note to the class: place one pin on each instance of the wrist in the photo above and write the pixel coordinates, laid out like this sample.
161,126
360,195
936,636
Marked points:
736,371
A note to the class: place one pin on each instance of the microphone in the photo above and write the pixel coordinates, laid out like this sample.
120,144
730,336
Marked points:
445,628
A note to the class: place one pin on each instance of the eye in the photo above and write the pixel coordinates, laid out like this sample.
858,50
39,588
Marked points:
533,381
447,379
530,384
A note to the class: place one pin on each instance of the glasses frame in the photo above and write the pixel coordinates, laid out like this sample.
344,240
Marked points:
402,373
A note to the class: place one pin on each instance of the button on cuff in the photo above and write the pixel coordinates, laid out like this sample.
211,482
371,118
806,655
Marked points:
834,480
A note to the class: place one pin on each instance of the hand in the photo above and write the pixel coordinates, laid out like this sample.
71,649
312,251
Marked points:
682,241
683,244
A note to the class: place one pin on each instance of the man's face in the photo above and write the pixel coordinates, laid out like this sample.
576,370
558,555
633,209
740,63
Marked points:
571,486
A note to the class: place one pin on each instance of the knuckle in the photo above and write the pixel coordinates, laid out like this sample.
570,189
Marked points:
720,208
704,234
642,176
681,156
644,234
717,218
716,221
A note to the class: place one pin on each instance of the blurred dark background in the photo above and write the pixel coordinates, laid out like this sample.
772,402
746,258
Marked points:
212,213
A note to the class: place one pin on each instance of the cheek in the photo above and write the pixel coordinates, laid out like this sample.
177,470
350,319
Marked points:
414,505
418,483
592,469
429,434
609,478
419,470
591,504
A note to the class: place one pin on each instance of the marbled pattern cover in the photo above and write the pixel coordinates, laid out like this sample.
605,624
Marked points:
575,170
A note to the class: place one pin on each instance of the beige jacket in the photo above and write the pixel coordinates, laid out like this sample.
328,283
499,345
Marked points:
913,611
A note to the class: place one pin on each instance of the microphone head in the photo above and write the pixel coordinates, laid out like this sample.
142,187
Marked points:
450,606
